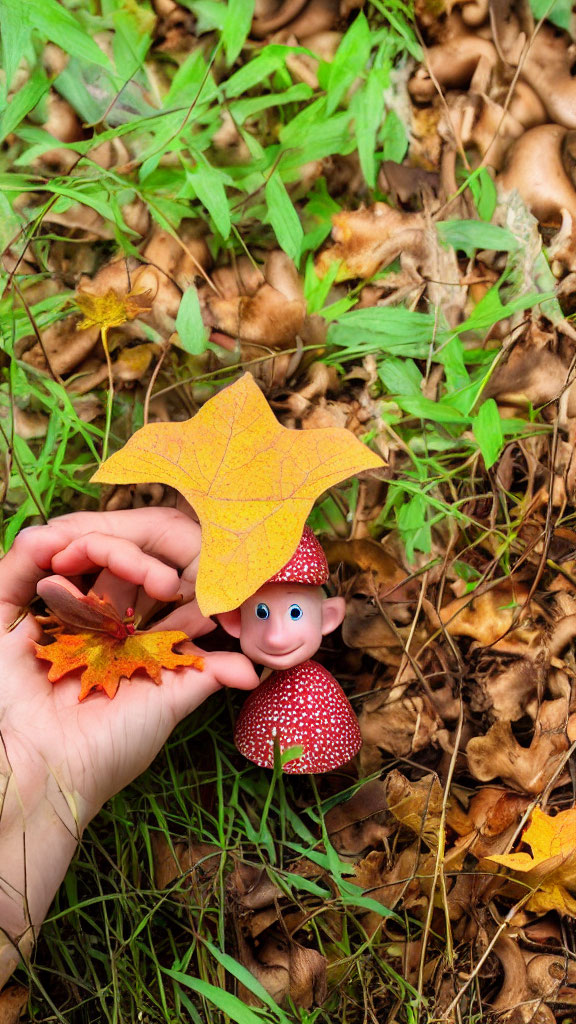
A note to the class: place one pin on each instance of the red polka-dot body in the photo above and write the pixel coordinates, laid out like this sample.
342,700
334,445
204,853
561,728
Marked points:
302,706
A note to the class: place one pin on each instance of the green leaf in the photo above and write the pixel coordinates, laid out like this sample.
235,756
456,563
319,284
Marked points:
190,327
557,11
313,136
283,217
244,108
269,60
52,21
316,288
393,138
290,754
490,310
487,427
393,329
237,26
368,106
401,376
225,1001
209,14
15,37
190,76
483,190
413,527
426,409
208,185
22,102
469,235
452,357
349,61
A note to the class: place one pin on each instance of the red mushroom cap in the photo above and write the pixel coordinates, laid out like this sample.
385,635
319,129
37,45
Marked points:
307,565
302,706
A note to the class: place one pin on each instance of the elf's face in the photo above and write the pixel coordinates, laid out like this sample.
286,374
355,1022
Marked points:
282,624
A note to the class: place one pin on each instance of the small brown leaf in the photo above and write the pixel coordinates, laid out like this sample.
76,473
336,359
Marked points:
400,726
360,822
418,805
285,968
498,753
12,1001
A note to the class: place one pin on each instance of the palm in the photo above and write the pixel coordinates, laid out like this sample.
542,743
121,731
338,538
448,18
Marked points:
93,749
96,747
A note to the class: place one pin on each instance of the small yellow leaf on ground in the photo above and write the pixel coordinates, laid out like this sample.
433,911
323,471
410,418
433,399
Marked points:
551,867
250,481
111,309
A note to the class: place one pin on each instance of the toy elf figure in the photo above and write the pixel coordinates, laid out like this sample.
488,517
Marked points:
300,704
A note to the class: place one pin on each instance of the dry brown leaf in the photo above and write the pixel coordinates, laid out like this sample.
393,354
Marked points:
64,345
251,888
365,628
180,859
490,822
266,309
12,1002
132,363
361,821
486,617
407,880
510,692
368,239
370,557
417,805
285,968
399,725
528,769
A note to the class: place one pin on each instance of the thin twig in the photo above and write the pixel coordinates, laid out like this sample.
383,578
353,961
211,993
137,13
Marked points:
156,371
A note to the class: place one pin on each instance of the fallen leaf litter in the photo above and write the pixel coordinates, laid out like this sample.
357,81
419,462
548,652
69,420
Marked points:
421,650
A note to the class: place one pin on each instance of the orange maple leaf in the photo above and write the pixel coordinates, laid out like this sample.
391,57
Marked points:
103,644
250,481
107,659
551,867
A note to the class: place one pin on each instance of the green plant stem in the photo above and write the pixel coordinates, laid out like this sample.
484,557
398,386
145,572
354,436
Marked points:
109,397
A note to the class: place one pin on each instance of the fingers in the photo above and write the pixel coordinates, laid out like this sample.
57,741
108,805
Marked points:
189,619
122,558
186,689
231,669
161,532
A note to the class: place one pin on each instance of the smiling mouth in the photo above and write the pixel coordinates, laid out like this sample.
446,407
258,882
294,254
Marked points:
283,654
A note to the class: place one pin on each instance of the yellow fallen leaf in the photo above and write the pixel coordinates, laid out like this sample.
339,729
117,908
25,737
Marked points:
250,481
551,867
111,309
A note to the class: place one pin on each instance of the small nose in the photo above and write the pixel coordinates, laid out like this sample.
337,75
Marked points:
277,638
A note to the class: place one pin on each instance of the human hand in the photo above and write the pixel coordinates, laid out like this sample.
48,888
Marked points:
62,760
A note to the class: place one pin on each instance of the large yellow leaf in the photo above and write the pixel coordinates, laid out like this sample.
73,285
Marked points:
250,481
551,868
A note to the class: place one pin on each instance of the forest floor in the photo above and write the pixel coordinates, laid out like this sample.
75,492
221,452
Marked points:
373,210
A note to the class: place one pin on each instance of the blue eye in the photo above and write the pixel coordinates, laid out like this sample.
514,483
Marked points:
295,612
262,611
